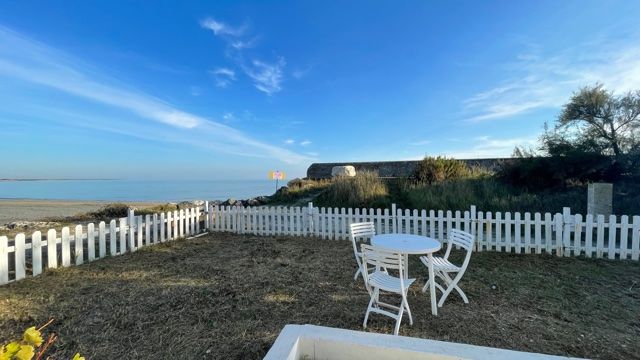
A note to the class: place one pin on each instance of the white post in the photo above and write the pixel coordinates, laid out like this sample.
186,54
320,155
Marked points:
132,229
139,230
102,239
4,261
206,215
147,229
113,241
78,245
123,235
91,242
52,250
198,219
19,252
310,218
155,228
66,247
474,216
394,219
567,226
36,253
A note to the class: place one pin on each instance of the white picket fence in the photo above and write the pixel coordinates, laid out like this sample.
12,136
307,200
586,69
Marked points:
22,256
560,234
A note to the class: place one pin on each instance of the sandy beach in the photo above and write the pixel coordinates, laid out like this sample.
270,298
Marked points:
32,210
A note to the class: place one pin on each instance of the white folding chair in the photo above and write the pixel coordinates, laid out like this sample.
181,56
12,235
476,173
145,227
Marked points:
359,232
376,262
442,267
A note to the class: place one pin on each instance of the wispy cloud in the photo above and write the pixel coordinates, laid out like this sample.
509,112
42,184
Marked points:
289,141
243,44
535,80
29,61
223,76
299,73
305,142
420,143
221,29
267,76
490,147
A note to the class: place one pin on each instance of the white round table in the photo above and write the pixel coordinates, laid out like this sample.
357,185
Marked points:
411,244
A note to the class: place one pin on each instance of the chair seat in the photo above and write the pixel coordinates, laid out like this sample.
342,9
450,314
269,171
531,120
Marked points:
441,264
386,282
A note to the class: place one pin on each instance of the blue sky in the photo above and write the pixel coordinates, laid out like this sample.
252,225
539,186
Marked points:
231,90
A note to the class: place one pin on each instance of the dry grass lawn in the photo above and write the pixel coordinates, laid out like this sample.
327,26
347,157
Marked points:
228,296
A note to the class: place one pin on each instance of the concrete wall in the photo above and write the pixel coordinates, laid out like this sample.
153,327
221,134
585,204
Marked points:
393,168
318,342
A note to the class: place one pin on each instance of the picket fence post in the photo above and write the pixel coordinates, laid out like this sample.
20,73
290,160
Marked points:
19,252
567,226
310,223
473,219
36,253
635,239
394,219
52,250
4,260
132,229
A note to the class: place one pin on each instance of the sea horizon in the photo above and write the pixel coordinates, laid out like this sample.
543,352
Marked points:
134,190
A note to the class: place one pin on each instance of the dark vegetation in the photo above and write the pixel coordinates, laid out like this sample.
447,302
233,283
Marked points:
596,138
112,211
227,296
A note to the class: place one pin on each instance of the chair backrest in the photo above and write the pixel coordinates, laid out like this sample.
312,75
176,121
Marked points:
362,230
375,258
382,258
462,239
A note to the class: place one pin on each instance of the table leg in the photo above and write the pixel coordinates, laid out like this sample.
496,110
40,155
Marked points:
432,286
406,261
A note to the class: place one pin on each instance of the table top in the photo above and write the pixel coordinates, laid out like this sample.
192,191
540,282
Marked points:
406,243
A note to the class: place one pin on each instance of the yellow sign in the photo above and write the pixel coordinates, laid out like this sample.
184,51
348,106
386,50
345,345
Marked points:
276,175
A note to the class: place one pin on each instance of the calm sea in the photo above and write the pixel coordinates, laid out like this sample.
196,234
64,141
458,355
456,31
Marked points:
135,190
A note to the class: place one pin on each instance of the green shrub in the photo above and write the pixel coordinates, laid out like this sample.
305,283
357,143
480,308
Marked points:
298,191
110,211
438,169
366,189
157,209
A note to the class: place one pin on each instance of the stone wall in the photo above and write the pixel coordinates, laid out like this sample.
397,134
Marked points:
393,169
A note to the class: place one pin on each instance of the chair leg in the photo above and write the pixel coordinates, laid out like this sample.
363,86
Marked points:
398,321
355,277
462,295
452,285
406,304
426,286
457,288
374,296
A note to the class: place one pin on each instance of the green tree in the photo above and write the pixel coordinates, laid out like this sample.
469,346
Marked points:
596,138
597,120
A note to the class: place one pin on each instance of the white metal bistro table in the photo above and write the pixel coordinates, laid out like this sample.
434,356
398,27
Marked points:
412,245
